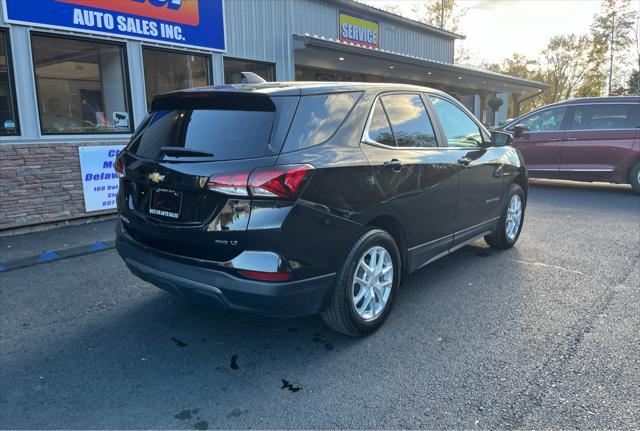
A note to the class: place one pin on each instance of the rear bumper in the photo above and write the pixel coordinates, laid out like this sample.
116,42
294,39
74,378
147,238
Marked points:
286,299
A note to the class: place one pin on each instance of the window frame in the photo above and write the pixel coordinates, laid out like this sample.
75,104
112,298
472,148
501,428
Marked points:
12,81
249,60
125,75
435,125
572,110
284,149
563,126
144,47
484,133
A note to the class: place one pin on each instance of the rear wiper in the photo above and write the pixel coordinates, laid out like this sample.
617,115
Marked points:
180,151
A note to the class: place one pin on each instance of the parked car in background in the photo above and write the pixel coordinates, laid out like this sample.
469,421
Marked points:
590,139
288,199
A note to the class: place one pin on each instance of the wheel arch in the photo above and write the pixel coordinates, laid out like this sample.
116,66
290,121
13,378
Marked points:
523,181
632,164
393,227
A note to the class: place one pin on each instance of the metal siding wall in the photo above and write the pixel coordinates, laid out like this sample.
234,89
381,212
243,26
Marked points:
262,30
405,40
318,18
258,30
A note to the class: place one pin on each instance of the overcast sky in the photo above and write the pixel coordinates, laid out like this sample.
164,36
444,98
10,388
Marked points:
495,29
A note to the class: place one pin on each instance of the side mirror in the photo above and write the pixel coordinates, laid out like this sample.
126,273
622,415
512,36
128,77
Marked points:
518,130
500,138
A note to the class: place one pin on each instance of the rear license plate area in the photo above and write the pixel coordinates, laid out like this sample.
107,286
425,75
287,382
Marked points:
166,203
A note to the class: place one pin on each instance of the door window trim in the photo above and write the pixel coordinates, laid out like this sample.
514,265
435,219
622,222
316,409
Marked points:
366,139
569,107
484,133
573,110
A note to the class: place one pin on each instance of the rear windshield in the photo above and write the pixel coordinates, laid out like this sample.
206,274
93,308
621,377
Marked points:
227,134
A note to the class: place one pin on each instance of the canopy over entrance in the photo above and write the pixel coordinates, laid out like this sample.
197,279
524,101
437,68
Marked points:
371,65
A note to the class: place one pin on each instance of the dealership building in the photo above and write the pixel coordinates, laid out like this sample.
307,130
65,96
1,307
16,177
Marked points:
77,76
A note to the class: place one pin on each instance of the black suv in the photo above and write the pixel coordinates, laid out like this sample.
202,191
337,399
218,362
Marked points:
289,199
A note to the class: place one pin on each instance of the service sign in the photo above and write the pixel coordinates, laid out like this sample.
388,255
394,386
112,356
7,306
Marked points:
99,181
192,23
359,30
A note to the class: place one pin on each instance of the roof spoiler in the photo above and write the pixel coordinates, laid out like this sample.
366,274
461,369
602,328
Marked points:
252,78
222,100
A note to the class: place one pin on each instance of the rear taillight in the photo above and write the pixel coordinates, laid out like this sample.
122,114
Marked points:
277,182
229,184
284,182
118,166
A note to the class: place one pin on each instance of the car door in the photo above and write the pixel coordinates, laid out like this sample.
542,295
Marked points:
416,176
541,140
480,170
598,142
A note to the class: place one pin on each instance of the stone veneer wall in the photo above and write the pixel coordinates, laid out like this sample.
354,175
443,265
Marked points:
41,183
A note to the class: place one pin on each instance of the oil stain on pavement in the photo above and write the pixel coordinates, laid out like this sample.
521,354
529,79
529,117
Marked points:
289,386
234,362
179,343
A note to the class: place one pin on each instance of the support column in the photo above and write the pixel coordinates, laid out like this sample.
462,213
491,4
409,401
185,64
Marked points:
483,106
516,104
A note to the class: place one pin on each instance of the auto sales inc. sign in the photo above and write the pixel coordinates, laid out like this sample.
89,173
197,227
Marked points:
191,23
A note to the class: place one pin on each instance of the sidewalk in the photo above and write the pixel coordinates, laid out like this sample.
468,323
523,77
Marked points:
39,247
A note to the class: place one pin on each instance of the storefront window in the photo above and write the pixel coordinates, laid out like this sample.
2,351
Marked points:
233,67
166,71
81,86
8,111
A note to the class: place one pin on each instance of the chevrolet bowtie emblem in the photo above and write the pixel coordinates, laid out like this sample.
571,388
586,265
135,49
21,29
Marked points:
156,177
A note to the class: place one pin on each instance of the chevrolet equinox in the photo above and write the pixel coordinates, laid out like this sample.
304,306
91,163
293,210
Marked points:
289,199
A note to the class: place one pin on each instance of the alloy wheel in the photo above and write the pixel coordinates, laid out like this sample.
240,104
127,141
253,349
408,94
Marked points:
514,217
372,283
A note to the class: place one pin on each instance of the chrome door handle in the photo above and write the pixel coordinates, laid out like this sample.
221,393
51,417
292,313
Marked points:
464,161
555,140
573,138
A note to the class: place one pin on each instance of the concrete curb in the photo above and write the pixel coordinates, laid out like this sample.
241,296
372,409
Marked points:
53,255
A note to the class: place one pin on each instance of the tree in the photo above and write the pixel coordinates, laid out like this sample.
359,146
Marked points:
568,68
633,85
611,31
444,14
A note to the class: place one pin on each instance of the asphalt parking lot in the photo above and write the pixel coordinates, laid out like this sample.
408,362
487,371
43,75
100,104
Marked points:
546,334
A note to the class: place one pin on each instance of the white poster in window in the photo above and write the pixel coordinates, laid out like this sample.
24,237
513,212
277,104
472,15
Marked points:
99,181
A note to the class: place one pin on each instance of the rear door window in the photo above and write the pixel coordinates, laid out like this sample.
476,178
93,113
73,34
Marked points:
318,118
227,134
409,120
602,117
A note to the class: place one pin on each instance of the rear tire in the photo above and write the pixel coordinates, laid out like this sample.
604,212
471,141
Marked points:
509,227
634,177
348,310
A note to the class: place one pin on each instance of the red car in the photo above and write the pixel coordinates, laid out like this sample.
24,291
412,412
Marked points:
590,139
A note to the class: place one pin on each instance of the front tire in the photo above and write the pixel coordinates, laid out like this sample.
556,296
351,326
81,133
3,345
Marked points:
365,286
509,227
634,177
